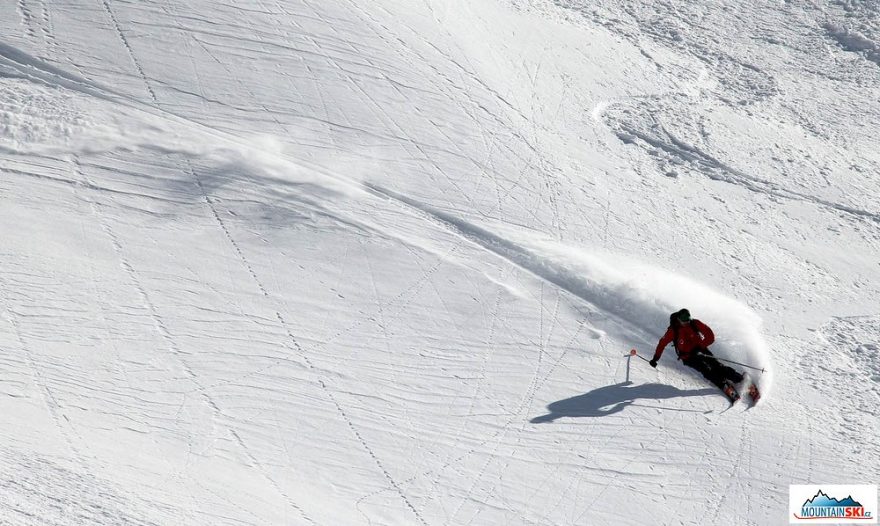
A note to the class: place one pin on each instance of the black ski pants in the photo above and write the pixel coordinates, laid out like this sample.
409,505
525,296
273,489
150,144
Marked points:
712,369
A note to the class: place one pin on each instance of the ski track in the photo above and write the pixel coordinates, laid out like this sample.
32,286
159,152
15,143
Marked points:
535,382
124,40
505,249
81,182
82,179
49,400
73,497
37,26
508,137
302,353
246,264
519,257
27,18
495,439
264,473
47,28
61,421
458,89
717,170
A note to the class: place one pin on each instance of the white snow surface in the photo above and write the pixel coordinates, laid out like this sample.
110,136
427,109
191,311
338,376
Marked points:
380,262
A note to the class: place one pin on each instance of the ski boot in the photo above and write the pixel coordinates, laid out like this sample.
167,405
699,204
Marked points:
754,394
730,391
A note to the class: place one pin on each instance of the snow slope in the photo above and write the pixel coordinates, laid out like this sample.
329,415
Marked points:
379,262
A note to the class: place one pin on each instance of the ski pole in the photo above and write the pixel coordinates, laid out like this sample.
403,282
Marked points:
629,356
737,363
633,352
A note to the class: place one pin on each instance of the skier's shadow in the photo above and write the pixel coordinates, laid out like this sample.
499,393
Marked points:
612,399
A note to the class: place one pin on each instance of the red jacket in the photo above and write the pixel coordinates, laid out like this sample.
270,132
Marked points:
688,339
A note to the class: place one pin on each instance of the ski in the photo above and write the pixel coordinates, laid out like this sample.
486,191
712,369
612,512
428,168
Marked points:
751,389
730,392
754,394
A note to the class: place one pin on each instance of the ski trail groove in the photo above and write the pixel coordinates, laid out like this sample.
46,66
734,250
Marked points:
49,400
408,293
118,363
27,18
510,251
129,50
534,384
249,268
56,411
259,465
302,353
736,475
718,170
46,27
151,308
451,86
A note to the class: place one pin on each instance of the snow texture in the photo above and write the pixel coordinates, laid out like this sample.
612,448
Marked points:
382,263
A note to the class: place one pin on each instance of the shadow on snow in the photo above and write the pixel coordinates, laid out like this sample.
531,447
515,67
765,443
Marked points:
612,399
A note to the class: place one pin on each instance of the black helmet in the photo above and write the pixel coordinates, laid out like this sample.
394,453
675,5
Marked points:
682,316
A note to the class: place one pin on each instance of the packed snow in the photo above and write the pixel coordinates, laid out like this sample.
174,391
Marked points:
349,262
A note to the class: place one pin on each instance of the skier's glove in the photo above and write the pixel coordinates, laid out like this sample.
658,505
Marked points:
705,351
653,363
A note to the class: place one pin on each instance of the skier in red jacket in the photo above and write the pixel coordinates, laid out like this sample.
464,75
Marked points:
691,339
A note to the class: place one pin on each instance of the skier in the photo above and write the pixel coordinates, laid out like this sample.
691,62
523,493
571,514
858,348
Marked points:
691,339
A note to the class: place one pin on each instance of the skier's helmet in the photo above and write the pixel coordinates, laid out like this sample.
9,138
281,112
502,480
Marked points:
682,316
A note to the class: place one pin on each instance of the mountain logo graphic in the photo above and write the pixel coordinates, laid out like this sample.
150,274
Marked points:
821,506
821,499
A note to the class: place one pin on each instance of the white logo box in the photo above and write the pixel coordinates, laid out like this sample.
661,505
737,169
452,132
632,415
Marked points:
864,494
